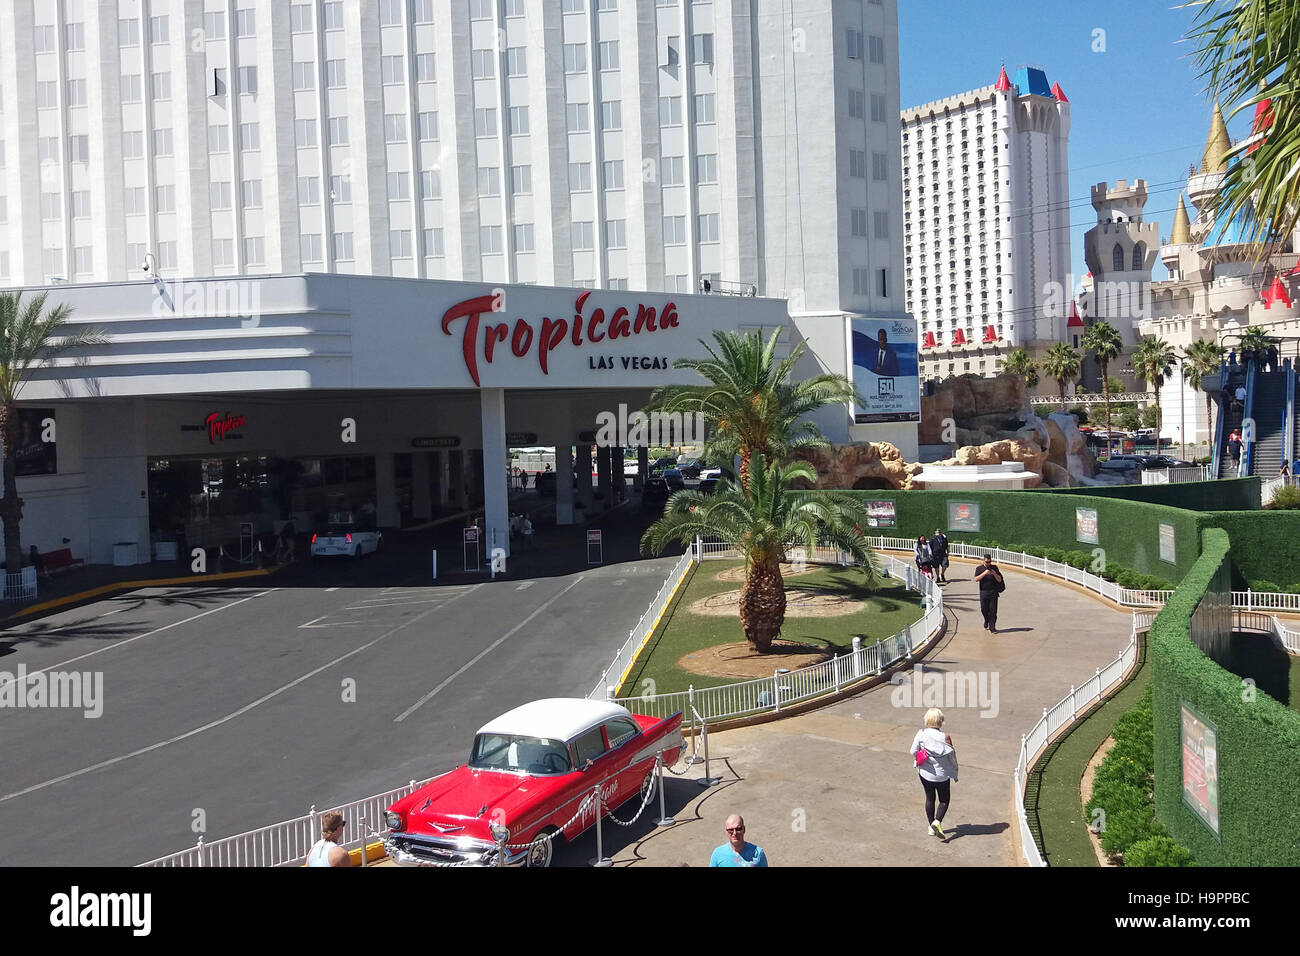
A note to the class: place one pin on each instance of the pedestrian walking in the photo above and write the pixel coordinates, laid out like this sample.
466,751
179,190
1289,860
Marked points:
923,556
736,851
1234,448
939,555
526,529
326,851
991,584
284,552
1285,470
936,765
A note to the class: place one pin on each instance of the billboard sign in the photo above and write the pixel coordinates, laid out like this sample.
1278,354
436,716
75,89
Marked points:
963,516
1200,741
34,450
1085,525
885,370
880,514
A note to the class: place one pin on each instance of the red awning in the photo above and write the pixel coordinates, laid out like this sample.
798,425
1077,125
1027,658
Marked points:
929,341
990,334
959,337
1276,293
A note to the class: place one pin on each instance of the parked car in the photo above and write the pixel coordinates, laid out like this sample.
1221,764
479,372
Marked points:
710,473
708,485
691,469
655,493
1145,434
674,479
1165,461
343,536
528,774
659,464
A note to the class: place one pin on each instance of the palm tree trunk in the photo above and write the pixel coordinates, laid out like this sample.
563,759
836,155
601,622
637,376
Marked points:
1159,419
744,468
762,603
11,506
1105,391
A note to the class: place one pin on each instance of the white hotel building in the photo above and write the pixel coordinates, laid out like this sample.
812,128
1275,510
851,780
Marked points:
600,144
986,220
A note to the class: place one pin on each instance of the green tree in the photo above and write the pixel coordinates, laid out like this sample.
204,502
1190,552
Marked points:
1255,341
1153,362
1061,363
30,337
1247,51
1019,362
1127,417
762,520
749,404
1200,359
1116,385
1103,340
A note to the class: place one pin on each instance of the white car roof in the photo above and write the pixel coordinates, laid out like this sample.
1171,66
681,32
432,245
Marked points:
557,718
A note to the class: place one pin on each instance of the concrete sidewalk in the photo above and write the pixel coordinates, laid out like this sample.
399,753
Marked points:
838,787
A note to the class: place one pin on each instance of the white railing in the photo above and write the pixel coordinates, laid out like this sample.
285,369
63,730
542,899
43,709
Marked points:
1269,486
1290,638
20,585
288,843
1061,715
612,676
783,688
1175,476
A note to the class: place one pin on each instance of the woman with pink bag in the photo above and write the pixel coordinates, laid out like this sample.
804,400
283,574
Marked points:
936,764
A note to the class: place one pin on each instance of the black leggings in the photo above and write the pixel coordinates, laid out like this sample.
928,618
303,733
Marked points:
943,790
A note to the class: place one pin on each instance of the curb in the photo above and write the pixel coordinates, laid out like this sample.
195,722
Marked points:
103,589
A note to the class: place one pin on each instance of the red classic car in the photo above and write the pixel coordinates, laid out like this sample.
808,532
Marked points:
527,777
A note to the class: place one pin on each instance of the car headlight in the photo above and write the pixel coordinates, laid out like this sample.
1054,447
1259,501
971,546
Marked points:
394,820
500,832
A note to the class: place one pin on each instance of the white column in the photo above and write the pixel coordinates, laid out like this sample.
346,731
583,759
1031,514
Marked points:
584,477
421,473
496,491
386,491
564,484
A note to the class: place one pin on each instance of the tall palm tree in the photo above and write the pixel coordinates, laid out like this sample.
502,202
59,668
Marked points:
749,403
1255,340
762,519
1203,357
1153,362
1247,51
29,337
1061,363
1103,340
1019,362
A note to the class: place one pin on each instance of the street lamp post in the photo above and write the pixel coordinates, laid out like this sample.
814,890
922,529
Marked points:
1182,404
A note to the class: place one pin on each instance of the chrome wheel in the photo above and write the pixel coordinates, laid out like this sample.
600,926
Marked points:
542,850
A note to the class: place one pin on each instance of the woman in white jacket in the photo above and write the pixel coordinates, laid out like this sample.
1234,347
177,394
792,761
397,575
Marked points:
937,769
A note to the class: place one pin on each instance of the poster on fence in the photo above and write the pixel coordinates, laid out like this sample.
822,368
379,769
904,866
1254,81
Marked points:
1085,525
1167,550
963,516
880,514
1201,767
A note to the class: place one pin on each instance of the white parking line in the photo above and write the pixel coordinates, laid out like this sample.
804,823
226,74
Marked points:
328,590
220,720
367,607
483,653
525,586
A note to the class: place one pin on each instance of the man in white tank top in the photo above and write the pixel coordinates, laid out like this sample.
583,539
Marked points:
326,851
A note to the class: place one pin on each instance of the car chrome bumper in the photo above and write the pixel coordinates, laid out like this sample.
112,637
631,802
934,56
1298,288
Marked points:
408,852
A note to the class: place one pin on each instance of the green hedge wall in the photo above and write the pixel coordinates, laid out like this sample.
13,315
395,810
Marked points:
1258,741
1229,494
1128,530
1265,545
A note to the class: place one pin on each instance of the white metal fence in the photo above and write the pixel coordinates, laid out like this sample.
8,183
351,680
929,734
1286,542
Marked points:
1175,476
1269,486
287,843
20,585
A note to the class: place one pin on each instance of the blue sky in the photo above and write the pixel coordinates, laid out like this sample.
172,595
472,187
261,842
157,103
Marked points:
1138,109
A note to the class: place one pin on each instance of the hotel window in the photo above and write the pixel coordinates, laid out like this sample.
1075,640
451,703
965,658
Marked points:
607,54
433,247
309,190
167,255
132,89
128,32
223,253
76,92
706,168
518,120
521,180
675,284
214,26
395,128
332,15
857,104
606,5
485,122
489,240
858,163
44,39
158,30
245,23
583,235
516,61
672,170
876,47
854,38
576,116
340,189
705,108
79,148
160,86
390,13
861,282
399,243
515,8
342,246
250,193
162,142
882,283
133,201
300,18
575,57
674,230
858,221
335,74
51,206
427,124
82,261
218,139
670,111
616,233
572,6
489,183
702,48
611,114
338,130
481,9
53,260
219,194
709,228
423,12
612,174
424,68
305,132
878,167
246,77
390,68
523,232
254,251
310,248
304,76
430,184
74,36
579,177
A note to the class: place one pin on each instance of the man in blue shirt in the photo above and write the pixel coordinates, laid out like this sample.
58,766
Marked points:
736,852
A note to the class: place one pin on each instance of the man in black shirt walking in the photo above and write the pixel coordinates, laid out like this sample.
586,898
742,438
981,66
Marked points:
991,585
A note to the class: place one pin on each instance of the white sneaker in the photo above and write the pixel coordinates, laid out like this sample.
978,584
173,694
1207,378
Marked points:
932,829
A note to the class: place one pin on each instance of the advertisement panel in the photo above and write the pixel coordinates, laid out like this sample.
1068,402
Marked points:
880,514
963,516
1201,767
1085,525
1167,550
33,455
885,370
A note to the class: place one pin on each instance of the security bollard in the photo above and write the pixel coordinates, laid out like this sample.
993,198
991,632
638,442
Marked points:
601,860
664,819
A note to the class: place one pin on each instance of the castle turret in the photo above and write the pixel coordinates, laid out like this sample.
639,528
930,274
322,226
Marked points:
1121,251
1203,185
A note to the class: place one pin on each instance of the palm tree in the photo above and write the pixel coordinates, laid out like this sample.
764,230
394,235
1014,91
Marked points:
1019,362
749,403
1103,340
1061,363
1200,359
762,519
1255,341
1153,362
29,336
1247,51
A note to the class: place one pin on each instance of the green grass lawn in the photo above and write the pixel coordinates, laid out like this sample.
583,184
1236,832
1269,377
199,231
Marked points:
889,608
1295,684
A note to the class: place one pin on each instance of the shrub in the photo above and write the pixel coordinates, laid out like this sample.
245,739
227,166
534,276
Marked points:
1054,554
1128,579
1286,498
1158,851
1293,589
1078,559
1267,586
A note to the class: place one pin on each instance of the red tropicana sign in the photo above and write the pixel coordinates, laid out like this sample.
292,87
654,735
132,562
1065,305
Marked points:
553,333
219,427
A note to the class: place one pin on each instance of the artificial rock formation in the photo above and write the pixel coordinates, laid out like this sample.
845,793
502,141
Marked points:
869,465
